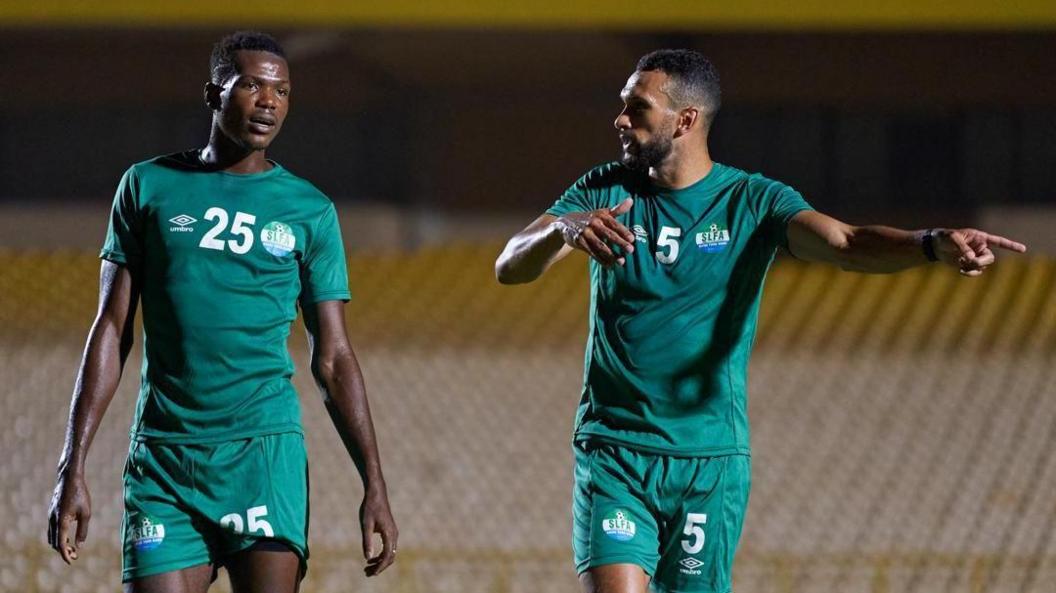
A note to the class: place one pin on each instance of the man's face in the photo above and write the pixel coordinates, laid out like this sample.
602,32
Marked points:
254,102
647,122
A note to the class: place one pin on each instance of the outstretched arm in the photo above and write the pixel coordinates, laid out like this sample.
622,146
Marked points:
337,373
532,251
109,343
813,236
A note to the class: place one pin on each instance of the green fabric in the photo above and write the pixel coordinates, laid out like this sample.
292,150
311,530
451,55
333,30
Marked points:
679,518
192,504
224,258
671,332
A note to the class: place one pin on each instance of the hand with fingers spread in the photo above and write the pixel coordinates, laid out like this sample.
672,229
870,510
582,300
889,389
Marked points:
375,517
971,250
597,232
71,509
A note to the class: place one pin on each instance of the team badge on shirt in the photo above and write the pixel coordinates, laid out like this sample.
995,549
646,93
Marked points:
714,240
147,535
278,238
618,526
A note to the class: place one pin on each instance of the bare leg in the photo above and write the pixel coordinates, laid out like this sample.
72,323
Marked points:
615,578
265,569
195,579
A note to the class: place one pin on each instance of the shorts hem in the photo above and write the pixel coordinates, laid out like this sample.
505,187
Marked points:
133,574
584,566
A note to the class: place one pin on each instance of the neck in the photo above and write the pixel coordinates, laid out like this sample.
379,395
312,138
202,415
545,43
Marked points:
683,167
223,154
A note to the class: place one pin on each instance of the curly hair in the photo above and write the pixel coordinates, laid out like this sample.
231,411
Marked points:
222,65
694,81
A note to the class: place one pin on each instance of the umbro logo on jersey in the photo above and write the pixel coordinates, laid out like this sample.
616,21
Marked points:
639,234
182,223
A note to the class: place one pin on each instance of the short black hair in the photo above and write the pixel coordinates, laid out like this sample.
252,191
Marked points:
694,79
222,61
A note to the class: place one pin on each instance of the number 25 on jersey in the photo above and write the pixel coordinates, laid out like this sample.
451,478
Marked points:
240,227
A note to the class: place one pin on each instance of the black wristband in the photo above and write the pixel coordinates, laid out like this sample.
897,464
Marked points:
927,243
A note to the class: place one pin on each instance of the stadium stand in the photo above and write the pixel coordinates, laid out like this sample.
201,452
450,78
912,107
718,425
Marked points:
903,428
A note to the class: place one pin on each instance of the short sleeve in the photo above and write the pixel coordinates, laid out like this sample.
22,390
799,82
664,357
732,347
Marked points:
778,205
324,271
583,196
124,234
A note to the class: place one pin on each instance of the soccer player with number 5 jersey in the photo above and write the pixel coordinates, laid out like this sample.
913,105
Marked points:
221,246
680,246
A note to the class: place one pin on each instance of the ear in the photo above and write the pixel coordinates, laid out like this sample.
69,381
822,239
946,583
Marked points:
687,120
212,96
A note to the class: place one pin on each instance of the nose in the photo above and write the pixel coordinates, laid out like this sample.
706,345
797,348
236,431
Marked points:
266,98
623,121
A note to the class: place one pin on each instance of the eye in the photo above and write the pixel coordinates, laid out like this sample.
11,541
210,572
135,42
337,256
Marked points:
284,92
250,85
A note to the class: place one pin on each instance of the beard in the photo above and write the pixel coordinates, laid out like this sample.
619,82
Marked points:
648,154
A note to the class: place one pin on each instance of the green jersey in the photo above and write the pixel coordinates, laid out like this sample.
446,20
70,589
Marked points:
672,329
223,259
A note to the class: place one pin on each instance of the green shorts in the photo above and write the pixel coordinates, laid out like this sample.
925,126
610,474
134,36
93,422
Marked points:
187,505
679,518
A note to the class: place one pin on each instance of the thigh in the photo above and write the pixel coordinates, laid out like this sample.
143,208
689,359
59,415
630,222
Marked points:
704,526
266,567
613,522
195,579
161,532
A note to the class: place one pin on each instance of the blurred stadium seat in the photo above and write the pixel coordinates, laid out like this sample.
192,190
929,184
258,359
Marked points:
903,428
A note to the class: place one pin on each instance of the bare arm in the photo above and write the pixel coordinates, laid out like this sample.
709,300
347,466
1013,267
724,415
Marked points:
814,236
549,238
109,343
337,373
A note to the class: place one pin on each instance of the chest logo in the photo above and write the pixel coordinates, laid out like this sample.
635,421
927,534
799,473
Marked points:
618,526
182,224
278,238
713,240
640,235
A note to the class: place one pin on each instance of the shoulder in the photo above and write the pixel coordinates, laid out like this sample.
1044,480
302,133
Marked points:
760,185
306,192
186,161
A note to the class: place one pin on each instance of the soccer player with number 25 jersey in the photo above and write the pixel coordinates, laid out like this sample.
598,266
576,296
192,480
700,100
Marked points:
680,246
221,245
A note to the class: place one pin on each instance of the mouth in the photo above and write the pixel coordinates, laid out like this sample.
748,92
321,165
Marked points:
261,124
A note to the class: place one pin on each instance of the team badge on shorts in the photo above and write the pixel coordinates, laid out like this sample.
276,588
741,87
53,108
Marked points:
147,535
618,526
278,238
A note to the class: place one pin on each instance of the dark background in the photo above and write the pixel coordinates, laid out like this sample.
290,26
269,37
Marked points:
903,125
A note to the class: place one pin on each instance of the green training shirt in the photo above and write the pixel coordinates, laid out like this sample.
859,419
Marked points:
223,258
671,331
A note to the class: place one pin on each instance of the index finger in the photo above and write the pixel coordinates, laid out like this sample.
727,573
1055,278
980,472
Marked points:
615,225
1004,243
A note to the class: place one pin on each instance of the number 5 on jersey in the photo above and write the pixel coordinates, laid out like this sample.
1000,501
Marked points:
668,239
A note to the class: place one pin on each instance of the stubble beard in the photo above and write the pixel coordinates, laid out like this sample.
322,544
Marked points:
648,154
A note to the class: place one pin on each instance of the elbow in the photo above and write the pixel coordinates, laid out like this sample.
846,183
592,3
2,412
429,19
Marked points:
505,273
